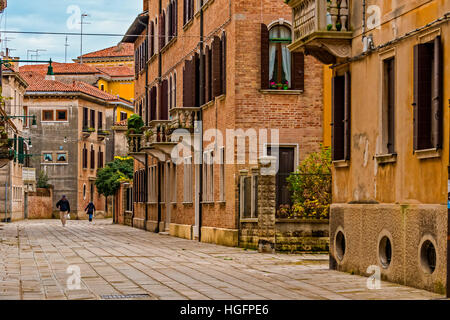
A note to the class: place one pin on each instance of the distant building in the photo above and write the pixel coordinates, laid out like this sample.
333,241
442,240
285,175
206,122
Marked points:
13,190
70,140
110,77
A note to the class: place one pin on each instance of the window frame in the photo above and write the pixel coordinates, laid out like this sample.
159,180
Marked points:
61,110
45,111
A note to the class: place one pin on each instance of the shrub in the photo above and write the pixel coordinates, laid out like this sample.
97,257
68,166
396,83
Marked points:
42,181
311,187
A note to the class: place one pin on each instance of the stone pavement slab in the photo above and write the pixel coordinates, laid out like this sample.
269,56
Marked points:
40,260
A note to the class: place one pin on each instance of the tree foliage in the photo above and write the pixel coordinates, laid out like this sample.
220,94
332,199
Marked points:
42,180
135,124
311,187
109,178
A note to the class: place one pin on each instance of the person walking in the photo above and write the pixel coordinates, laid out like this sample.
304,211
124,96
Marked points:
90,210
64,209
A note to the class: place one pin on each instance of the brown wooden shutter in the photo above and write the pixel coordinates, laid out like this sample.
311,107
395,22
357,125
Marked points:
153,103
150,39
169,21
224,63
338,131
422,95
202,80
436,104
298,71
216,64
185,91
195,76
164,111
175,17
208,74
264,57
347,114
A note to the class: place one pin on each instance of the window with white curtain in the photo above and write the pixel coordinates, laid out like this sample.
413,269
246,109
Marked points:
208,176
279,56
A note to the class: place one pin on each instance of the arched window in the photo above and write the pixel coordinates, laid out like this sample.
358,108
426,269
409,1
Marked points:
279,57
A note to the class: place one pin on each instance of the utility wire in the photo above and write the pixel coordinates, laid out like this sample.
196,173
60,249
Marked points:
90,34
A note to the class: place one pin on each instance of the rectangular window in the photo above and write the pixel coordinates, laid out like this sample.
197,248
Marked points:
341,117
48,157
388,116
428,95
173,182
85,157
285,164
85,118
152,184
163,182
47,115
100,120
61,115
188,185
208,176
61,157
222,174
93,119
123,116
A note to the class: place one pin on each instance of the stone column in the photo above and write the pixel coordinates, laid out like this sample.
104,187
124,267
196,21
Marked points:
267,204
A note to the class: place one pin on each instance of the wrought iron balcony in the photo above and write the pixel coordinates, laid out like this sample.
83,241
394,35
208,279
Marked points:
322,29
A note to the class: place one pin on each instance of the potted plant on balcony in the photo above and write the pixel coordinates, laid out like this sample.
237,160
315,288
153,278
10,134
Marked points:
135,124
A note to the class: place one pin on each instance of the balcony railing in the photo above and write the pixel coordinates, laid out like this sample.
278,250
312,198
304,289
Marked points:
135,143
311,16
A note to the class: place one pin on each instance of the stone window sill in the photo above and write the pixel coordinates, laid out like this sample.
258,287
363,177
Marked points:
282,92
249,220
386,158
208,202
152,202
341,163
188,24
168,44
427,153
188,203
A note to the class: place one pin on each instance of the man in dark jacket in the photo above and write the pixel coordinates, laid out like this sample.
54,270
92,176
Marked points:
90,209
64,209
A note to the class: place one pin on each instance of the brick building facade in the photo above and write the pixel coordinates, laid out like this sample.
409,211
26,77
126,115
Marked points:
219,70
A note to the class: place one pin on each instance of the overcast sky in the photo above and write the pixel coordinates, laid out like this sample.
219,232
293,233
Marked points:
106,16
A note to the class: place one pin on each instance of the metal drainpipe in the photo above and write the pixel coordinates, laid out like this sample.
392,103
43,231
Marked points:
202,85
146,191
159,197
159,92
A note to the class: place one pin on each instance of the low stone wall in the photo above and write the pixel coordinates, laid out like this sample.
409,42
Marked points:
40,204
220,236
181,231
302,235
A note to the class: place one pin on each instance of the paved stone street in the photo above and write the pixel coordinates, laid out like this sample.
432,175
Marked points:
119,260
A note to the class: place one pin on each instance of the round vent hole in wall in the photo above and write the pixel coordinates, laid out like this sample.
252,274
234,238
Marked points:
340,245
385,251
428,256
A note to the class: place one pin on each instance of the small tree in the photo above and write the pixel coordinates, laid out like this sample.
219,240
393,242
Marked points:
311,186
109,178
135,124
42,181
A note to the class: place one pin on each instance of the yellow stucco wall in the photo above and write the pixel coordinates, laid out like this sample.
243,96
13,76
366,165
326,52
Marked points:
122,109
327,75
124,89
409,180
